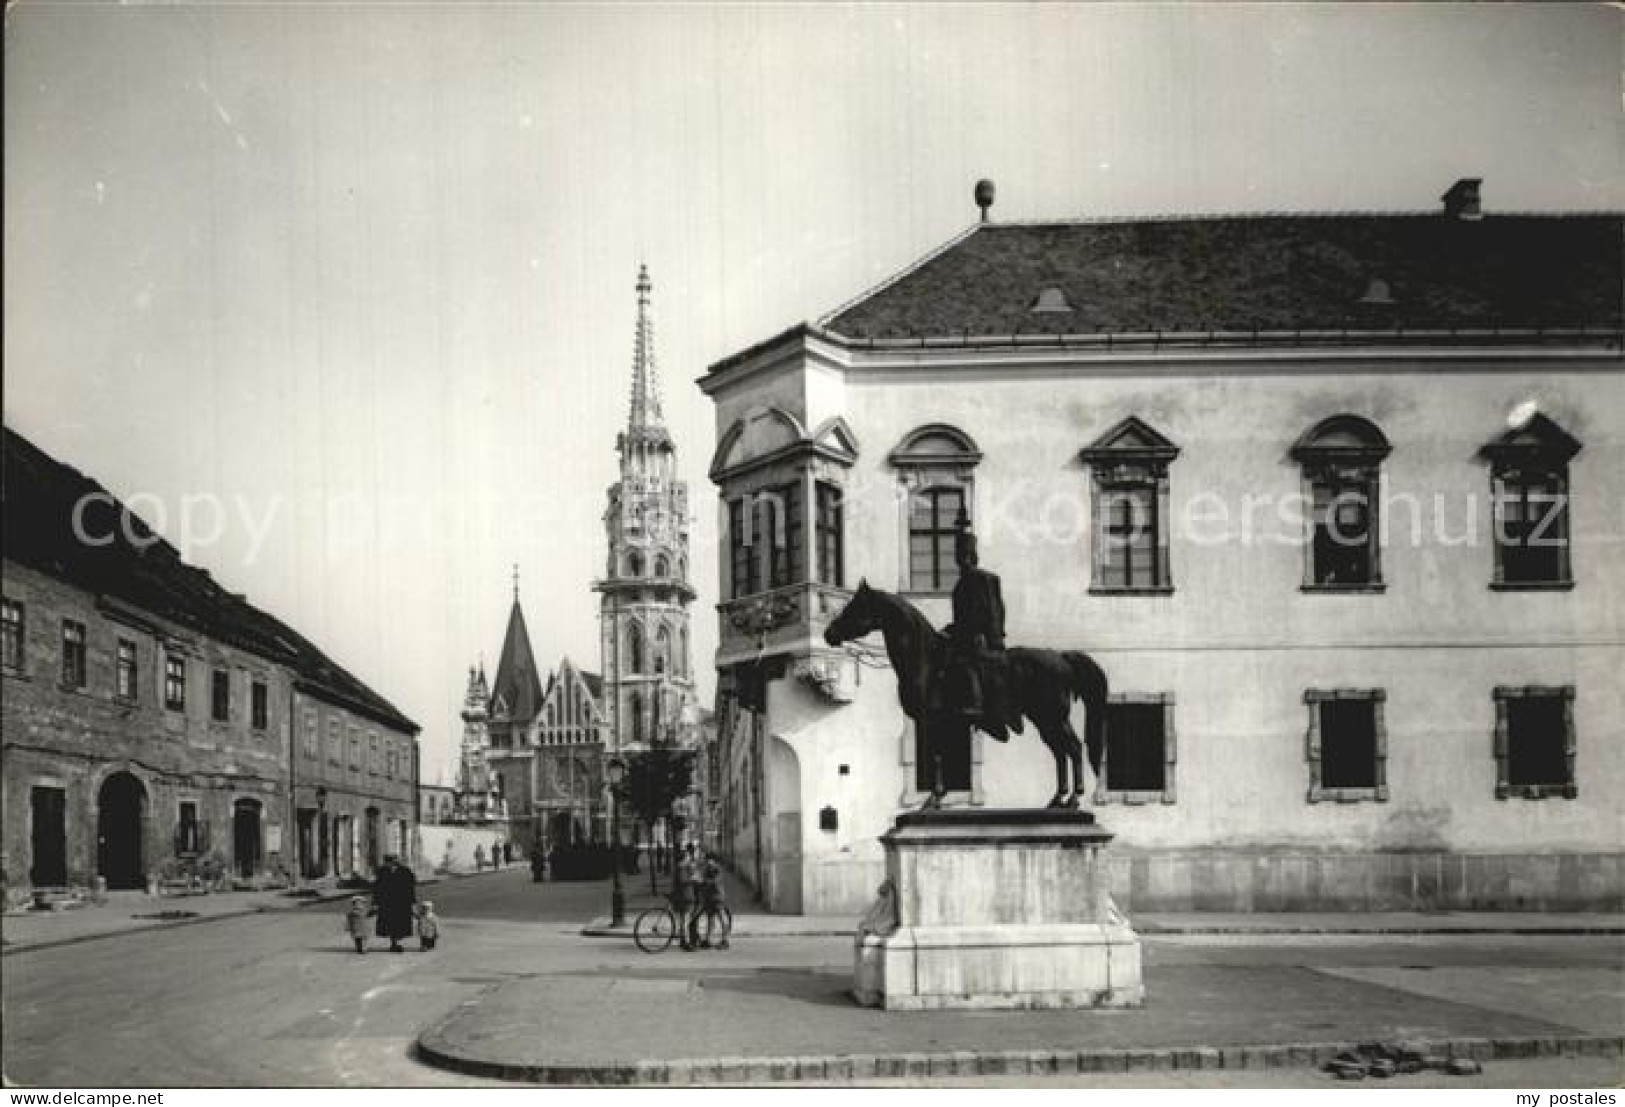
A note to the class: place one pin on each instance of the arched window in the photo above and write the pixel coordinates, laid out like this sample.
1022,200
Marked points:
662,649
634,648
936,465
634,564
662,567
637,718
682,652
1342,467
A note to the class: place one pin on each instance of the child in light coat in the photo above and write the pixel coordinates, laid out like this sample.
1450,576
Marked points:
355,922
428,925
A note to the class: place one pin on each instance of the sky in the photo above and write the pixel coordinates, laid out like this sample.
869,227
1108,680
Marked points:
343,294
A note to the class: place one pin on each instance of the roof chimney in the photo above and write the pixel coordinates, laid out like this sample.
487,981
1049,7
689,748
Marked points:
1461,201
984,196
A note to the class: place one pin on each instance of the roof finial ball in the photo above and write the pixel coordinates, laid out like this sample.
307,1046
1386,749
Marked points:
984,196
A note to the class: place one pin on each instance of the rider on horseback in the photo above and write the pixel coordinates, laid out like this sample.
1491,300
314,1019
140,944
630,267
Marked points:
976,667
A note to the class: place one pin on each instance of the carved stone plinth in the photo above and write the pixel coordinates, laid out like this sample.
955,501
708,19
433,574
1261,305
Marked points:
997,909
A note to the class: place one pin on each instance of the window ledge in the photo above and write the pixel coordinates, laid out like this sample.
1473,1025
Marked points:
15,673
1354,589
1536,791
1134,798
1378,794
1531,586
1110,590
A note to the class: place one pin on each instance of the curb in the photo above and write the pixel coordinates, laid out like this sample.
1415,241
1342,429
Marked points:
1437,931
600,928
171,924
434,1049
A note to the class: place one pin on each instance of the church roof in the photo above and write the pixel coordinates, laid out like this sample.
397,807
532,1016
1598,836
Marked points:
644,417
517,690
1245,273
39,497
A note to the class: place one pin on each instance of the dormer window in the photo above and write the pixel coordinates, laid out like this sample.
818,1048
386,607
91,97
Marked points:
1342,468
1051,300
1529,482
1378,293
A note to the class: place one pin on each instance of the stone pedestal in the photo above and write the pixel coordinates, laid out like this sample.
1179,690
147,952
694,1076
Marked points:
997,909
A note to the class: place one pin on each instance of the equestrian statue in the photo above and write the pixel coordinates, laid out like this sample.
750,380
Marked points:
964,676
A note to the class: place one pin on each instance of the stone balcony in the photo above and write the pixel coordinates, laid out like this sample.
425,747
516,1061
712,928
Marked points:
784,622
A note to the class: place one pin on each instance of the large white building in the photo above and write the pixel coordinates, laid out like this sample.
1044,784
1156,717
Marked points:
1335,500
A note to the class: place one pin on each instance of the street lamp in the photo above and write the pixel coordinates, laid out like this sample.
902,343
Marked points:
616,770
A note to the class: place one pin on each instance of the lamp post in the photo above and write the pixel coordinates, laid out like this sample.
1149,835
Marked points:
616,770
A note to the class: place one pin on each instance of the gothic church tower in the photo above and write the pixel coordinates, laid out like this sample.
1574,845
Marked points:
647,666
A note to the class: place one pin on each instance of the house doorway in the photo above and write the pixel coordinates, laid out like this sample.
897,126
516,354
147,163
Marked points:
564,829
49,829
121,808
309,860
245,836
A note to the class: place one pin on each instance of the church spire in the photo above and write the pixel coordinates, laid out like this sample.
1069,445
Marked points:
645,412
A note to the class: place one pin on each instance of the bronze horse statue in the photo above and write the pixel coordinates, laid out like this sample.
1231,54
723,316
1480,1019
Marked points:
1042,684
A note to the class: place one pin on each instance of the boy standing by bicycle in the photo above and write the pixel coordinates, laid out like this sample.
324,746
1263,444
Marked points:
711,903
685,902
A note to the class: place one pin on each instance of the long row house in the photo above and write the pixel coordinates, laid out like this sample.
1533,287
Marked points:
155,723
1334,499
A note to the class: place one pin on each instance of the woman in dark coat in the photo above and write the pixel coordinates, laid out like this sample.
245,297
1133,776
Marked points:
394,894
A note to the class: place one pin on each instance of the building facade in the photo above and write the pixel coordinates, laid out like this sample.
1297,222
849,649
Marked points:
567,782
531,763
151,717
1330,499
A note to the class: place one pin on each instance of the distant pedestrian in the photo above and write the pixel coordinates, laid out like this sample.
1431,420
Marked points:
538,864
479,857
428,925
394,894
355,922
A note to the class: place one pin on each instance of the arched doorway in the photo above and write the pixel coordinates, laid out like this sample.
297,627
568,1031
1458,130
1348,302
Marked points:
784,792
121,808
245,836
564,829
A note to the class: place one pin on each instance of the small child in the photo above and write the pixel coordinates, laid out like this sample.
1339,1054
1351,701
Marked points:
355,922
428,925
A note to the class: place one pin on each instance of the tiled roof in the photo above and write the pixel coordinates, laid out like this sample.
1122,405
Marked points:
1265,273
517,690
38,497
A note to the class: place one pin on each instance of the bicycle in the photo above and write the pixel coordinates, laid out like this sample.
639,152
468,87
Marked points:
657,927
